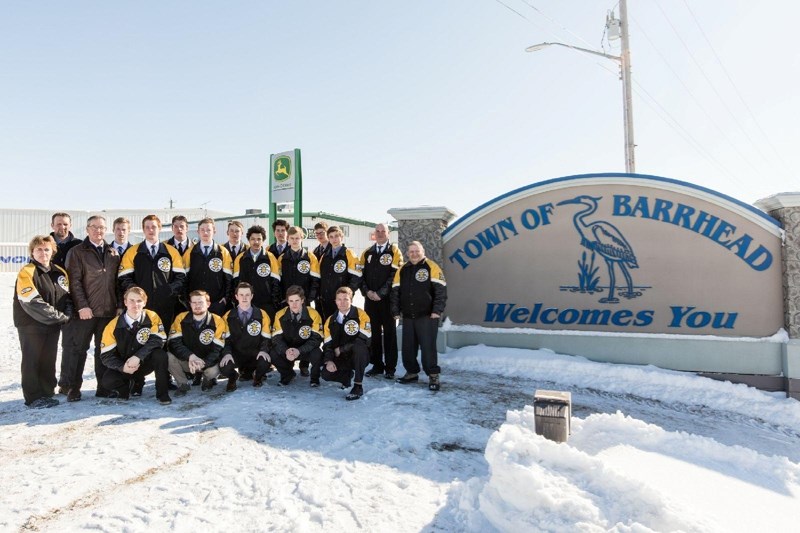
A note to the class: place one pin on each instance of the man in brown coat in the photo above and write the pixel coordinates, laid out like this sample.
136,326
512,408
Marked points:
92,267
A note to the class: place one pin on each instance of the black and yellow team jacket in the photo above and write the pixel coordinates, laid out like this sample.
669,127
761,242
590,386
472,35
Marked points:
121,341
213,274
305,334
418,290
162,277
247,339
263,273
206,342
342,270
41,297
301,269
377,271
355,328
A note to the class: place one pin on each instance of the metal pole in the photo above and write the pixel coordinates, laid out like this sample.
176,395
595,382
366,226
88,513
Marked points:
627,97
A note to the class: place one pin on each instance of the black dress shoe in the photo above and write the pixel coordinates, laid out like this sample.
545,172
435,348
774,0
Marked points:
314,384
389,375
74,395
373,372
408,378
258,382
207,384
136,388
433,382
285,381
355,393
232,382
304,372
197,379
164,400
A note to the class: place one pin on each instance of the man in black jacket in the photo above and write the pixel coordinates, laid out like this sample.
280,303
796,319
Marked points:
346,344
209,268
92,267
378,266
296,336
248,343
339,267
132,348
419,294
61,223
195,343
258,267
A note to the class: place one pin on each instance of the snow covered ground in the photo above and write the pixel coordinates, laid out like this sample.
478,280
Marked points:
651,450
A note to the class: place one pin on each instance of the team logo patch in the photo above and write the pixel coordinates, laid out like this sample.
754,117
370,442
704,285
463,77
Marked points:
351,327
142,335
164,264
63,283
215,264
26,290
305,332
161,328
421,275
263,270
304,267
206,336
339,266
386,259
254,328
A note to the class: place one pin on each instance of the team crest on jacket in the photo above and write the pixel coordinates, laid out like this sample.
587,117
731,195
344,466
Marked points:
339,266
386,259
263,270
351,327
206,336
421,275
63,283
305,332
304,267
254,328
26,290
164,264
142,335
215,264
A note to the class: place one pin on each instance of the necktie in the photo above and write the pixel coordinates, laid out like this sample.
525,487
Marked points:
233,251
280,248
206,251
380,250
153,250
296,317
180,248
243,318
135,325
100,250
119,249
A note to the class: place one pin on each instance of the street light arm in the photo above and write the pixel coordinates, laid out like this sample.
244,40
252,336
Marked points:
539,46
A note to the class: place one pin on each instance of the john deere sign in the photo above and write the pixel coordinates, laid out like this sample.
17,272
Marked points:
616,252
283,176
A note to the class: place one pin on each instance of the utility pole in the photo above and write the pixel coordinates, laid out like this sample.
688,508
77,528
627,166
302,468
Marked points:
627,104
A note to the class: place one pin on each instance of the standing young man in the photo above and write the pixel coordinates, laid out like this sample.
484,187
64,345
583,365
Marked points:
155,267
346,344
419,294
378,266
61,223
122,232
235,245
180,234
260,268
280,229
209,268
195,343
339,267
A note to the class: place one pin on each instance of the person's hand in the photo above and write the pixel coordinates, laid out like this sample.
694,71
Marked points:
85,313
131,365
372,295
225,360
330,366
196,364
292,354
337,351
265,356
435,315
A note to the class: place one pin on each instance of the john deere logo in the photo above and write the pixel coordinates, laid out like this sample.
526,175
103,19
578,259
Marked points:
282,168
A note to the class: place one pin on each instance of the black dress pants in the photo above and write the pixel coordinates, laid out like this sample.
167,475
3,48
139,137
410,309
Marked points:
39,346
119,381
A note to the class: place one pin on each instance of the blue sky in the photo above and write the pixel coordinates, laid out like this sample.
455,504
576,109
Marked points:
128,104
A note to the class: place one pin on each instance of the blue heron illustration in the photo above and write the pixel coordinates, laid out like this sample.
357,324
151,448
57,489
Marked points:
605,239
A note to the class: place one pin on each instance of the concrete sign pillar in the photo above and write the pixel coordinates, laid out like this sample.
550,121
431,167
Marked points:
785,207
424,224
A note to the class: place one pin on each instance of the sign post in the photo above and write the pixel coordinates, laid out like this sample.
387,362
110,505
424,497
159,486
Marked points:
286,185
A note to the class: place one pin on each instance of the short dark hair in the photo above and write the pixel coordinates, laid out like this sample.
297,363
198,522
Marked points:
244,285
280,222
65,215
296,290
321,225
257,229
179,218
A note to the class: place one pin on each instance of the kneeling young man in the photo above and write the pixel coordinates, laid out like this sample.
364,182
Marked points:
132,347
296,336
346,347
248,342
195,344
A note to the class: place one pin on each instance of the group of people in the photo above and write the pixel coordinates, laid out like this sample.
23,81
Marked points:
190,310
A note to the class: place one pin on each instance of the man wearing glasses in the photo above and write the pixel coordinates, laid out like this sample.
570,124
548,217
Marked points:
92,268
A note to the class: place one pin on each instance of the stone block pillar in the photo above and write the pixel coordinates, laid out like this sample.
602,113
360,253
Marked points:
424,224
785,207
